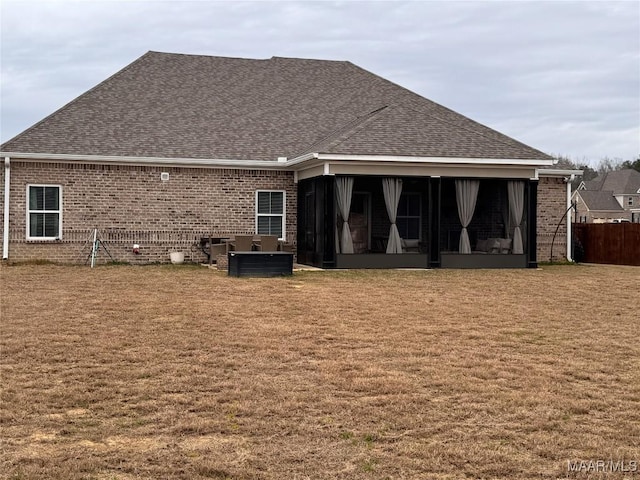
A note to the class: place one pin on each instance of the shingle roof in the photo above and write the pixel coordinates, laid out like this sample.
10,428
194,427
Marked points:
600,200
190,106
625,181
593,184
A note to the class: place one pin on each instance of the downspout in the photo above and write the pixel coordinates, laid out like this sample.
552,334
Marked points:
569,219
5,231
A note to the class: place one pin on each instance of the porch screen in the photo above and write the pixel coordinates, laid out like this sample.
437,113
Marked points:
466,196
392,188
344,189
515,190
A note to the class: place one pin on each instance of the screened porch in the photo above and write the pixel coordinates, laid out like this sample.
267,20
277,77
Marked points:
362,221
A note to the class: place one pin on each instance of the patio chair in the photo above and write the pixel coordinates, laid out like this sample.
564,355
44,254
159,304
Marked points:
243,243
268,243
216,249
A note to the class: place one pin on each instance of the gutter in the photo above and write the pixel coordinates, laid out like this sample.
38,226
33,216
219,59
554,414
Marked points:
281,164
414,159
152,161
569,219
559,172
7,186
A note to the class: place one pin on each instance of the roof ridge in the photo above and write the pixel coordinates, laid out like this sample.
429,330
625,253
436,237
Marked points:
276,57
343,132
199,55
77,99
273,57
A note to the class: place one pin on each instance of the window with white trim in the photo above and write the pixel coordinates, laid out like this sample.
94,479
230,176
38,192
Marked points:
270,213
408,218
630,202
44,212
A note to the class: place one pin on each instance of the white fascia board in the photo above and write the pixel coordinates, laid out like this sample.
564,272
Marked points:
413,159
301,162
301,159
557,172
151,161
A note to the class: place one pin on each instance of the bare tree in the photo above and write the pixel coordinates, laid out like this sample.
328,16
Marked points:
607,164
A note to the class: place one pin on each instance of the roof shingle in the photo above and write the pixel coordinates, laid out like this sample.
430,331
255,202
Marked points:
189,106
600,200
620,182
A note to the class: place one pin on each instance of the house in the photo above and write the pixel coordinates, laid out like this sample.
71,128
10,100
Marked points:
610,197
349,168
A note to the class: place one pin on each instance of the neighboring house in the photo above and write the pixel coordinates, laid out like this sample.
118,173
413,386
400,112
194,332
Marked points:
351,169
610,197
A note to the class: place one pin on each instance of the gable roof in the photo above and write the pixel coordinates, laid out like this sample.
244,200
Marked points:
600,200
591,185
620,182
190,106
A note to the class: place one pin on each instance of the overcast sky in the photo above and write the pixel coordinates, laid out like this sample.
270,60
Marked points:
563,77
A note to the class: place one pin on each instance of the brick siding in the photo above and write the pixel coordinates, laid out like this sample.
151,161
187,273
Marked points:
552,201
131,204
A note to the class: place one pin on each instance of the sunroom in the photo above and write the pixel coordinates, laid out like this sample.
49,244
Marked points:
417,215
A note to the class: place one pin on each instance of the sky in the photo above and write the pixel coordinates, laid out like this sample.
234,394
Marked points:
560,76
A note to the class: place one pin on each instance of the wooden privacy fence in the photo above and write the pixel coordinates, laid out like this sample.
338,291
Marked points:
614,243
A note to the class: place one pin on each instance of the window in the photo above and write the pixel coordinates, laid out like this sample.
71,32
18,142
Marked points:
408,217
630,202
44,213
270,213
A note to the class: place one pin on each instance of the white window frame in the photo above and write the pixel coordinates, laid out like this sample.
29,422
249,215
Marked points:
283,214
419,216
630,202
29,212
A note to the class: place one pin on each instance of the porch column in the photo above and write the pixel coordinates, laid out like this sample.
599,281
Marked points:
532,230
434,221
326,221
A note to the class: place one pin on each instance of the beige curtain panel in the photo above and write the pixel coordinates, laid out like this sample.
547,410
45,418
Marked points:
466,196
344,189
515,190
392,188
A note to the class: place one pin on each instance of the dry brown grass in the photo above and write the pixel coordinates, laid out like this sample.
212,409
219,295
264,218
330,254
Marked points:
181,372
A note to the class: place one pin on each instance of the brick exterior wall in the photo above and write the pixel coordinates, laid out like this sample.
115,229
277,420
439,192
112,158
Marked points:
552,201
131,204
